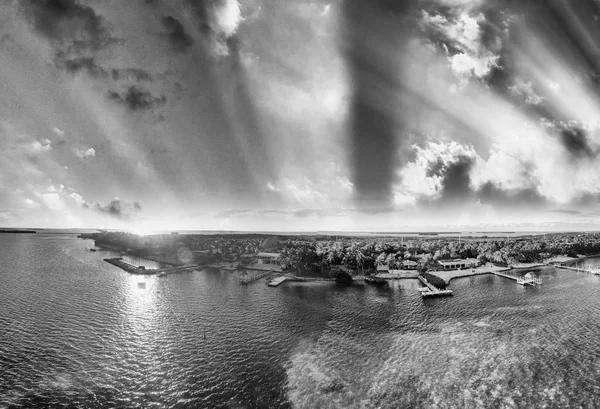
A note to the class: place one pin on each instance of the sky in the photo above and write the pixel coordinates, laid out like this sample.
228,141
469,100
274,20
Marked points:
300,115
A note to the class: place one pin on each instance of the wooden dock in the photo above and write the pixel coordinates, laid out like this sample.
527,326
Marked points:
523,280
173,270
130,268
277,280
289,277
250,279
594,271
433,291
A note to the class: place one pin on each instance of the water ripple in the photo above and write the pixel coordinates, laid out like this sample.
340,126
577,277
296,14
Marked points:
78,332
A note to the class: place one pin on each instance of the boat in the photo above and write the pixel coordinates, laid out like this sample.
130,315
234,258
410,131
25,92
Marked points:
93,250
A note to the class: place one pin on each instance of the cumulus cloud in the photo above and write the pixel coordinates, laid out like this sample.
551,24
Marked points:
40,146
58,132
440,172
525,90
32,204
137,99
84,153
450,173
61,199
120,209
461,38
218,20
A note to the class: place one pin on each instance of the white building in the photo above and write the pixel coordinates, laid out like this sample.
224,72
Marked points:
269,258
459,263
409,265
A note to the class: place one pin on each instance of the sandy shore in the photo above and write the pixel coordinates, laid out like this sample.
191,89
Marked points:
399,274
524,266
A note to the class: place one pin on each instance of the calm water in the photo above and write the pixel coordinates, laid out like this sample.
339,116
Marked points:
78,332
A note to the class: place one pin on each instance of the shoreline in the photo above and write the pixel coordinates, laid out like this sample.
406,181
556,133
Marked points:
450,275
578,259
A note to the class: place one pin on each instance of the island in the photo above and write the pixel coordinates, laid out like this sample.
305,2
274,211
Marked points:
17,231
437,259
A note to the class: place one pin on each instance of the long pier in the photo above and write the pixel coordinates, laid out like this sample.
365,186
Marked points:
289,277
278,280
523,280
130,268
433,291
251,279
594,271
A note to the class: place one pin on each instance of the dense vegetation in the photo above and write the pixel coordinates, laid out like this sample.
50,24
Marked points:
341,275
315,255
434,280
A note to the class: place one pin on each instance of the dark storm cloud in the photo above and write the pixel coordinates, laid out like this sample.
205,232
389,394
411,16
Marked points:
372,29
68,23
131,74
120,209
137,99
494,195
455,179
179,39
587,200
75,30
576,141
75,65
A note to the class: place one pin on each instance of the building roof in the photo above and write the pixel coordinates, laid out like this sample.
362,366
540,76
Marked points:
262,254
382,267
410,262
459,261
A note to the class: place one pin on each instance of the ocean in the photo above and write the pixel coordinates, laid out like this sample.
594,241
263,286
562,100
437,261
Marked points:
76,331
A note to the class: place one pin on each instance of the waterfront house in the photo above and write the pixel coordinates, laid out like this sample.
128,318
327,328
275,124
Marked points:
409,265
458,263
269,258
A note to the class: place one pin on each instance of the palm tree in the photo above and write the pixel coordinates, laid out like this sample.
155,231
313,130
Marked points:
360,259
